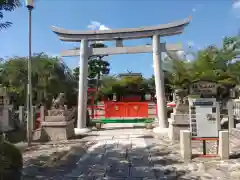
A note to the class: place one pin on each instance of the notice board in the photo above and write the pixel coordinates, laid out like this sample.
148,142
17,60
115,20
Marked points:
204,115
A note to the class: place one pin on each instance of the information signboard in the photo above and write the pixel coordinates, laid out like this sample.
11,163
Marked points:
203,87
204,117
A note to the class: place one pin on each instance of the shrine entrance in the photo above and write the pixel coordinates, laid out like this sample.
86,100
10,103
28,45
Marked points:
119,35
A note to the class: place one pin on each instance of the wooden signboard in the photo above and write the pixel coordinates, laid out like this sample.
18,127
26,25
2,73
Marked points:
204,87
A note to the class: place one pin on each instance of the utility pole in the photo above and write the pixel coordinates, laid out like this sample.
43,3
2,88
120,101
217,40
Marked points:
30,6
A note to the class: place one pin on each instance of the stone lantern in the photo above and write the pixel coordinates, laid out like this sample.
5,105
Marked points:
5,110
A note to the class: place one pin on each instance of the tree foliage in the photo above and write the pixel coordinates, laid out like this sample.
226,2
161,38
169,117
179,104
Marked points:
97,67
49,78
7,5
212,63
220,64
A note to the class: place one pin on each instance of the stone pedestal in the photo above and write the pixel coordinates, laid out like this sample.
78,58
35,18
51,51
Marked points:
59,125
81,131
177,122
57,131
161,132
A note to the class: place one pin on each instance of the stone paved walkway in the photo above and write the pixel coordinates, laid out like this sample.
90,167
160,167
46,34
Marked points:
122,154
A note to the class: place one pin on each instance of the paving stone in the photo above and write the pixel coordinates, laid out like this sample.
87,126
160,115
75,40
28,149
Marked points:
141,171
79,171
30,169
133,178
140,161
121,137
126,154
118,171
109,178
100,138
97,170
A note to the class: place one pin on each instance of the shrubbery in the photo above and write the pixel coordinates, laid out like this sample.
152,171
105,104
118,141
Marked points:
11,161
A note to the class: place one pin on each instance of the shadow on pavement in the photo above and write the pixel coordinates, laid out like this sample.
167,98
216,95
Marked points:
99,161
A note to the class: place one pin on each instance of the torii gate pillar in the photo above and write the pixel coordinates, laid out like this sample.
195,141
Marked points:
82,88
159,82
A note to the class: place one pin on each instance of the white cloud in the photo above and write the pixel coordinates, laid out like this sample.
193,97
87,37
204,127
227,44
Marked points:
95,25
236,4
236,8
103,27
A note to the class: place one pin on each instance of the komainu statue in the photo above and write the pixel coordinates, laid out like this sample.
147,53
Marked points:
182,105
58,103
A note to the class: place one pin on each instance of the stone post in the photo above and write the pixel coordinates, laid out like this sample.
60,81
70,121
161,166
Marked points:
159,82
174,97
231,123
223,149
83,73
42,113
185,145
34,109
21,114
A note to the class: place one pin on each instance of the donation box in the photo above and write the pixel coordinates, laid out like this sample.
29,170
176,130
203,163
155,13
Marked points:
204,115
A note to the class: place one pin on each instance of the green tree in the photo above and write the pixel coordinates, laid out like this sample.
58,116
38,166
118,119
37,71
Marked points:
97,67
49,78
232,43
181,74
7,5
107,86
211,63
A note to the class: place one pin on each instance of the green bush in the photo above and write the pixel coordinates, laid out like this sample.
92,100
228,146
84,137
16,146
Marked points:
11,161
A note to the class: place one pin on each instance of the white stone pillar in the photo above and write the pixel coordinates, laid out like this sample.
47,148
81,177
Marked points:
223,148
83,73
42,113
230,115
86,89
21,114
159,82
185,145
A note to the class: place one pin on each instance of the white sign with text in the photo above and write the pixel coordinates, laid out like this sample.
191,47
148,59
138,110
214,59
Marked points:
204,115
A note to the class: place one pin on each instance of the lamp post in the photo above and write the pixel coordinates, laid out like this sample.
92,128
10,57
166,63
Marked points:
30,6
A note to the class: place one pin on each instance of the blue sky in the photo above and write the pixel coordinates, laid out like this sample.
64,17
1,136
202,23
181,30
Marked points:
211,20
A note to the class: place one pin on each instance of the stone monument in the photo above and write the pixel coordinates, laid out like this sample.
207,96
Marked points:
59,122
179,118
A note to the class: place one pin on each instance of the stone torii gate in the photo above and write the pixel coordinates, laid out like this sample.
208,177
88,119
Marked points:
84,37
